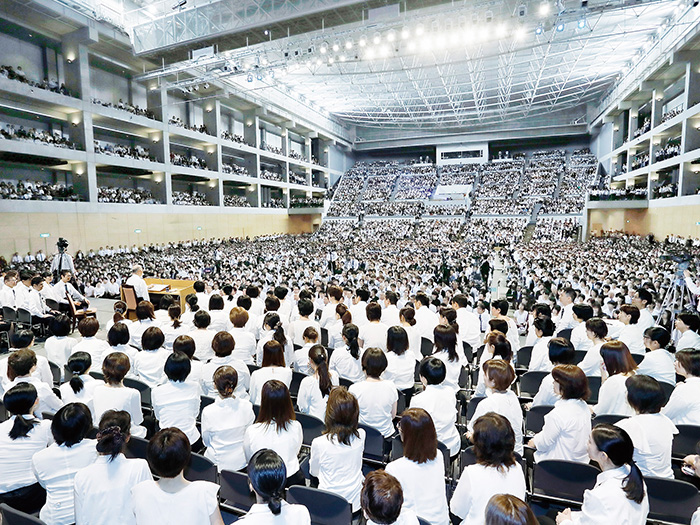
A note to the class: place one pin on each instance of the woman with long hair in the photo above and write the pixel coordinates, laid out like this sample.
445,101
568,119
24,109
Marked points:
407,319
173,327
445,337
145,318
273,367
401,365
346,360
273,330
315,389
618,365
496,346
335,327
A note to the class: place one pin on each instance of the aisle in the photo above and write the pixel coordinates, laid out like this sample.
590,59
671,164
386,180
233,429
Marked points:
498,285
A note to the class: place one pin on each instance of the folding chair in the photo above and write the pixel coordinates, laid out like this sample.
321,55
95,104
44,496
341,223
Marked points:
297,377
311,426
579,355
638,358
594,387
468,352
523,357
235,494
24,318
53,304
136,447
668,389
204,402
563,481
426,346
97,375
530,383
534,419
129,295
685,442
143,388
467,457
344,382
471,406
55,373
610,419
374,446
671,500
326,508
324,337
12,516
9,314
77,315
200,469
566,334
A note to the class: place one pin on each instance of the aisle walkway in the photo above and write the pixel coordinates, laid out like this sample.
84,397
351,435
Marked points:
498,285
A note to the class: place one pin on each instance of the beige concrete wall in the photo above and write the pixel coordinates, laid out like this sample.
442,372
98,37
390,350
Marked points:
19,232
661,221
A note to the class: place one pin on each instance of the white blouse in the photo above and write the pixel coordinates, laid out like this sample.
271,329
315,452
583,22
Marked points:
506,404
260,514
346,365
119,398
208,370
683,407
539,359
310,400
223,427
377,400
659,364
176,404
262,375
545,395
148,365
423,487
16,454
192,505
58,349
287,443
454,369
652,435
439,402
400,369
84,396
565,433
612,398
244,349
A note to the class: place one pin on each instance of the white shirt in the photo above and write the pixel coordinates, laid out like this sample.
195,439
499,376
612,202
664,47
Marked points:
579,339
426,321
328,315
478,484
171,333
338,466
454,369
689,339
262,375
683,407
301,359
148,366
54,468
84,396
16,454
373,335
652,435
176,404
567,318
219,321
208,370
390,316
202,341
137,328
646,320
469,327
310,400
58,350
223,426
268,335
612,398
260,514
244,349
506,404
346,365
97,348
103,490
286,443
140,286
608,503
565,433
48,400
632,335
400,369
42,372
36,304
439,402
659,364
539,359
119,398
193,505
423,487
545,395
592,361
297,328
377,400
359,314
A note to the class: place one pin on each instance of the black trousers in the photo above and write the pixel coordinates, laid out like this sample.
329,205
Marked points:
28,499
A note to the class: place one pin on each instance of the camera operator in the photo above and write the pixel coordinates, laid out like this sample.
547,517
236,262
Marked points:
62,260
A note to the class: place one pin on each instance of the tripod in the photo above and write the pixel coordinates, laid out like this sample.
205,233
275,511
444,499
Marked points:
677,297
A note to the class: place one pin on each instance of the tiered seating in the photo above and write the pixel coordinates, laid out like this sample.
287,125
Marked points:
190,199
379,187
460,174
125,195
543,171
36,191
420,186
555,229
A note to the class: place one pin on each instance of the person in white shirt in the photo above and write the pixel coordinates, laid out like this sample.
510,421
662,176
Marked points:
619,495
257,307
223,345
631,334
683,407
382,500
21,436
426,319
149,362
56,466
88,328
277,429
81,387
539,358
297,327
658,362
438,400
36,303
642,299
176,403
219,317
273,367
335,296
245,341
561,352
496,470
373,332
618,365
469,326
267,473
498,376
377,397
103,490
146,318
21,365
301,356
446,339
566,297
596,331
63,288
225,421
273,329
390,313
421,470
651,432
336,456
688,325
140,286
58,347
173,499
202,336
568,425
359,307
499,310
401,363
315,389
346,360
173,327
504,508
8,293
581,313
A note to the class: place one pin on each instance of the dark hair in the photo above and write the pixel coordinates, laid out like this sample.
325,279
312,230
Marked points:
501,345
397,340
344,313
658,334
223,344
617,445
617,358
120,308
500,373
19,401
423,299
690,319
60,325
152,338
276,405
198,286
409,315
244,302
446,341
342,415
382,497
22,339
268,475
545,325
374,362
184,344
273,354
281,292
461,300
202,319
573,382
319,357
392,297
373,311
494,441
645,394
144,310
20,363
177,367
570,292
598,327
78,364
310,333
363,294
114,367
498,325
166,301
583,311
168,452
632,311
252,291
351,333
225,380
689,359
88,327
418,435
228,291
114,433
542,309
450,314
501,305
433,370
561,351
506,509
273,320
71,424
306,307
645,295
174,312
238,317
118,335
335,292
272,303
192,301
216,302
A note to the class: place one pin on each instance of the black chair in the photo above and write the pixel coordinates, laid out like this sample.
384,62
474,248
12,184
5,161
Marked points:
594,387
610,419
580,354
55,373
397,452
311,426
200,469
51,303
143,389
24,319
638,358
4,415
344,382
97,375
530,382
534,419
566,334
374,446
685,442
136,447
9,314
668,389
523,357
325,508
671,500
236,496
296,381
204,402
12,516
563,481
324,337
468,352
426,346
471,406
421,521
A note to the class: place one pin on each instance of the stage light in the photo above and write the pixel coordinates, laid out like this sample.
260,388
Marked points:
501,30
405,33
384,51
348,44
391,36
560,27
336,47
331,60
544,9
324,48
539,30
341,58
582,23
420,30
369,54
363,41
376,38
412,46
519,33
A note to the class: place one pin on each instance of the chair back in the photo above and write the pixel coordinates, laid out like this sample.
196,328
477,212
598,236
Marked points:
51,303
594,387
200,469
235,493
9,314
4,415
671,500
136,447
534,418
471,406
468,457
668,389
204,402
55,373
566,334
426,346
97,375
297,377
24,316
684,443
142,387
344,382
324,337
530,382
374,444
563,481
311,426
468,352
253,368
12,516
609,419
638,358
579,356
129,296
523,357
325,508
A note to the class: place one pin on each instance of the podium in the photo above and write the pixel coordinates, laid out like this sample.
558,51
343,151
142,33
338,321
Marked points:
178,287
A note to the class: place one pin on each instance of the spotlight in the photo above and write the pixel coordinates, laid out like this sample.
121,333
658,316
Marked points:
324,48
391,36
539,30
179,5
250,77
560,27
348,44
582,23
544,9
405,33
259,75
331,60
336,47
363,41
420,30
206,85
377,38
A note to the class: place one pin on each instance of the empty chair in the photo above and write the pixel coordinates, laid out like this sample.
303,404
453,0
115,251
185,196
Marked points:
235,492
12,516
685,442
200,468
530,383
671,500
325,508
9,314
594,387
563,481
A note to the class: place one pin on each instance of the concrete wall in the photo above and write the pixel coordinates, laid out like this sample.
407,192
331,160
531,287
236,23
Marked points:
658,219
15,52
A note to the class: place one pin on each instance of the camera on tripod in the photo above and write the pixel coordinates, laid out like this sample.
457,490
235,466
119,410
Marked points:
682,261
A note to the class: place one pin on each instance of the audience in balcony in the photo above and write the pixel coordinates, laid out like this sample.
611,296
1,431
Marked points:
189,162
125,195
177,121
183,198
666,190
458,174
641,130
236,201
296,178
272,149
306,202
19,75
610,194
271,175
670,150
38,136
273,203
672,113
234,169
36,191
125,106
137,152
234,137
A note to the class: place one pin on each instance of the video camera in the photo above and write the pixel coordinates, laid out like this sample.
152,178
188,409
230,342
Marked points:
62,244
682,261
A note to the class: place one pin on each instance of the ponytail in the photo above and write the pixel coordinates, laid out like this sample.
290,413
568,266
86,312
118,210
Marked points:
633,484
618,446
273,321
21,427
19,401
76,384
191,302
344,313
351,333
318,356
79,363
275,503
174,312
120,309
450,315
110,442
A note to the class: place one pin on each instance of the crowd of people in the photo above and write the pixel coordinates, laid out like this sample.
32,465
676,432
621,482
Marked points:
18,74
379,187
234,169
297,178
125,106
640,160
641,130
306,202
619,194
293,154
137,152
37,191
272,149
271,175
237,201
234,137
38,136
177,121
556,229
502,206
273,202
419,186
459,174
194,198
670,150
125,195
191,161
665,190
499,179
543,171
672,113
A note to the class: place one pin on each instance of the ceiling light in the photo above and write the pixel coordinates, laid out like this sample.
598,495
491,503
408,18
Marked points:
519,33
412,46
348,44
420,30
405,33
560,27
384,51
324,48
336,47
331,60
341,58
319,62
539,30
377,38
582,23
363,41
544,9
391,36
369,54
250,77
501,30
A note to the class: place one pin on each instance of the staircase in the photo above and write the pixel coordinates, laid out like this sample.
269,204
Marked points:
557,191
528,233
535,211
